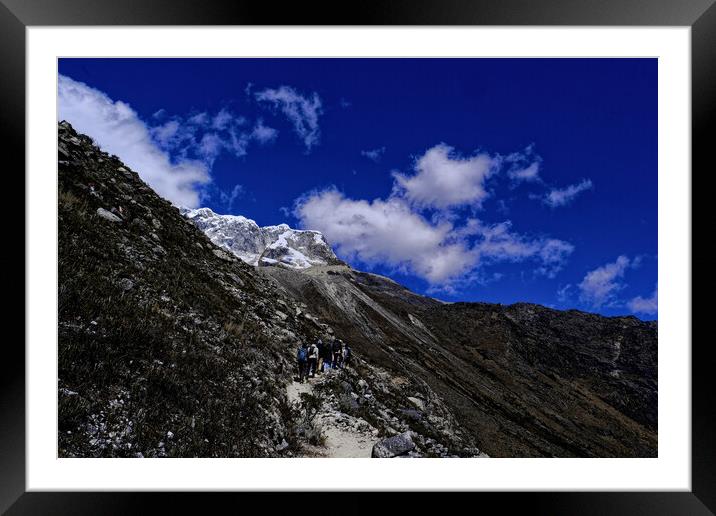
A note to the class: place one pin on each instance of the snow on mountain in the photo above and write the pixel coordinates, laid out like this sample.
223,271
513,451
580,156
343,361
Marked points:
263,246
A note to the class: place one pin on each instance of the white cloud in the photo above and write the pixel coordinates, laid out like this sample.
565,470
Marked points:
562,196
210,146
166,134
648,306
419,230
553,254
600,286
237,142
529,173
205,136
178,137
302,111
499,243
374,154
444,179
222,120
118,130
229,198
524,166
264,134
391,232
564,293
385,231
201,119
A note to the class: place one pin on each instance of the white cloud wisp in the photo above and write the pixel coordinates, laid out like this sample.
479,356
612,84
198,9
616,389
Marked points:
301,111
647,306
117,129
524,166
563,196
600,286
374,154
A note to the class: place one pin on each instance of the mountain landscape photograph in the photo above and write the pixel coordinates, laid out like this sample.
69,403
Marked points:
357,258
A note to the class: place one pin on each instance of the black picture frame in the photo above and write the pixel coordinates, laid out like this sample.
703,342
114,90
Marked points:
16,15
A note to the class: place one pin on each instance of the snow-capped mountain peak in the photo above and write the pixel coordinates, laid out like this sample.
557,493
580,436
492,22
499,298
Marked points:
263,246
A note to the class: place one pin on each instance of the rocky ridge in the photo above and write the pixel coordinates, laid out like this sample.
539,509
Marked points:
263,246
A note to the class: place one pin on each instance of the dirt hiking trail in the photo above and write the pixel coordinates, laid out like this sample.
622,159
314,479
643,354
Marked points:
345,435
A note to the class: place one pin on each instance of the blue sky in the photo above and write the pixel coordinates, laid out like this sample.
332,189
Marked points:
498,180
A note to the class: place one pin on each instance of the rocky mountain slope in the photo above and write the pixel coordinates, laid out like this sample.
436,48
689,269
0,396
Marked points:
171,346
525,380
263,246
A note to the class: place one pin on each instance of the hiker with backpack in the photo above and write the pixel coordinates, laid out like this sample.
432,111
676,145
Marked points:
346,354
302,361
337,352
312,360
327,356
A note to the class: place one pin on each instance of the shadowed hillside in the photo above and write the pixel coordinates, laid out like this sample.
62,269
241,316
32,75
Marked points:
525,379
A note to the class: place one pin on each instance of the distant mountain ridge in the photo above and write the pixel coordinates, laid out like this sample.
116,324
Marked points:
263,246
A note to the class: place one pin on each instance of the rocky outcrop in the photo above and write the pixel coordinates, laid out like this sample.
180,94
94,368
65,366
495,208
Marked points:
400,444
263,246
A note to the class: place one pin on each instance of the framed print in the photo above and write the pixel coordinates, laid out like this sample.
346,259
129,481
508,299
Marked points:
267,251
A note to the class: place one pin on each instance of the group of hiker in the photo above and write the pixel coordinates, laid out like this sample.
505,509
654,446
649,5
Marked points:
320,357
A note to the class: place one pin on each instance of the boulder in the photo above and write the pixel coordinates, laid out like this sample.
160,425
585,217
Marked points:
393,446
235,279
362,385
223,255
413,414
108,215
417,402
126,284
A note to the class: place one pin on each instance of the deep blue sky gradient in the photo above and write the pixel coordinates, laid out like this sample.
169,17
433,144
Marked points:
587,118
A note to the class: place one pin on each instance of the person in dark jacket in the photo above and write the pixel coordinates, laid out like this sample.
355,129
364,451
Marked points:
327,356
302,361
346,354
338,353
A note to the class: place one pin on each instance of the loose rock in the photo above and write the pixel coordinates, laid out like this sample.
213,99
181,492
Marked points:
108,215
393,446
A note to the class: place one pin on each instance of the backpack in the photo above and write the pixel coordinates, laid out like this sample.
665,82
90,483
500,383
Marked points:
301,356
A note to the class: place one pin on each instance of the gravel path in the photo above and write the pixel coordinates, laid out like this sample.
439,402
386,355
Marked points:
346,436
